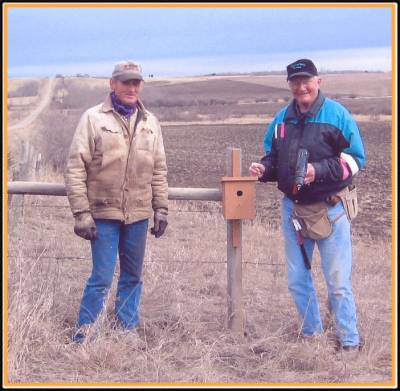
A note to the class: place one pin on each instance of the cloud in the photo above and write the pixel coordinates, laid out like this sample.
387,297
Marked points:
366,59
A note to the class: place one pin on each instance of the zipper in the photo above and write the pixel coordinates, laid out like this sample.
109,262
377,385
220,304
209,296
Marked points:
131,136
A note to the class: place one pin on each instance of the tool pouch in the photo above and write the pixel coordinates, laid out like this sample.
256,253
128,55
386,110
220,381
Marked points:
348,196
314,220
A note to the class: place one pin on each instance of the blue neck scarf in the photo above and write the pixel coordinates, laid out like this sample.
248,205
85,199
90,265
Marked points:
121,108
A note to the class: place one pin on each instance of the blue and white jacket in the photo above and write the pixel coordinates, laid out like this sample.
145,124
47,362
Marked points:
332,138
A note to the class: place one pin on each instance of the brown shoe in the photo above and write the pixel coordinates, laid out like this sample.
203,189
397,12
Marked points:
358,347
348,348
351,348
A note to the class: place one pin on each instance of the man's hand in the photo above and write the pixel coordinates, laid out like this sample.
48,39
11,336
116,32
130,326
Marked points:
85,226
310,175
257,169
160,223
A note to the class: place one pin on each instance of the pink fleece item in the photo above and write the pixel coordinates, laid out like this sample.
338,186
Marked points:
345,167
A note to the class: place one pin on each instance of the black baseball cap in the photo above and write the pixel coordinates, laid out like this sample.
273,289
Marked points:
301,67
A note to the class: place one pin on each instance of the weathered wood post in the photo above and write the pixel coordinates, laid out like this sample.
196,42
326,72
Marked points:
38,165
24,172
234,253
11,172
238,197
24,169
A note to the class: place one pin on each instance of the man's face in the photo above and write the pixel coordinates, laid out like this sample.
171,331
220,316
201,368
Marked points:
127,91
305,89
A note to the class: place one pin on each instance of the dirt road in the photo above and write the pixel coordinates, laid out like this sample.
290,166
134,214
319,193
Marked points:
254,119
44,101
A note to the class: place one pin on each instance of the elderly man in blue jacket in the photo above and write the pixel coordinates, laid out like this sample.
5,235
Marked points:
320,135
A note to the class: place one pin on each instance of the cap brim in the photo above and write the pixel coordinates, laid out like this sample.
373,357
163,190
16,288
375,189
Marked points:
128,76
300,74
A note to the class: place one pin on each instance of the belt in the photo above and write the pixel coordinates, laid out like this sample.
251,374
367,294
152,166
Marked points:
332,199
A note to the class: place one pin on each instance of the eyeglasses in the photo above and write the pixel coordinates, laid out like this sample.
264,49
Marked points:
299,82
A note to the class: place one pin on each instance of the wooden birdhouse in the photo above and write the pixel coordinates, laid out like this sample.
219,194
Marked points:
239,197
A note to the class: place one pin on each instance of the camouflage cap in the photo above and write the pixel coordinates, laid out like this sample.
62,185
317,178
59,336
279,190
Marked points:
126,70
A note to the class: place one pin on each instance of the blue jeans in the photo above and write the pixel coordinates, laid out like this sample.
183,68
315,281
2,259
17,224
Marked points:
336,261
129,241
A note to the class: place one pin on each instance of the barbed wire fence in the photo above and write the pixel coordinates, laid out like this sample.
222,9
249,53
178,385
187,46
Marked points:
233,188
30,168
23,205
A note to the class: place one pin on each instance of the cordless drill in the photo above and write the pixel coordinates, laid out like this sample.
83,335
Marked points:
301,169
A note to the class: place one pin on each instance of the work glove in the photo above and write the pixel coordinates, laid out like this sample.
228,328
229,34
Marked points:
85,226
160,223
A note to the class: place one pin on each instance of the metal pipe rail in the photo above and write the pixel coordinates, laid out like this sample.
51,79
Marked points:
58,189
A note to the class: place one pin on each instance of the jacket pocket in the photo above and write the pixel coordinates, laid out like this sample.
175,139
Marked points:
101,203
144,139
111,137
111,128
111,148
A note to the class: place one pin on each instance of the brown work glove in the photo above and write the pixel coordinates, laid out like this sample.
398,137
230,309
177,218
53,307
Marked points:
85,226
160,223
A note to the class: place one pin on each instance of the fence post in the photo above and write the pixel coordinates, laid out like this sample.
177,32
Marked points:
24,169
24,166
234,253
38,165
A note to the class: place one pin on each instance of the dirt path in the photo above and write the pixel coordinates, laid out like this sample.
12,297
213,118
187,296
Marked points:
44,101
253,119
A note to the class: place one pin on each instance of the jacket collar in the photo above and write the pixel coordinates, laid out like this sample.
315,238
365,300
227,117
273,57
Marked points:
293,112
108,106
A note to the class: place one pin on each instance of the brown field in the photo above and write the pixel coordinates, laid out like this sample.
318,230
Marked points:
360,84
184,301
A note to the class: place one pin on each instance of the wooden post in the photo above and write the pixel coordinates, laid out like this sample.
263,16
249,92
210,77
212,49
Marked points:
234,253
38,165
9,196
23,171
24,164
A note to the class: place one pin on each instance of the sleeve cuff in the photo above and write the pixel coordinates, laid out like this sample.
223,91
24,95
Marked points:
318,172
163,211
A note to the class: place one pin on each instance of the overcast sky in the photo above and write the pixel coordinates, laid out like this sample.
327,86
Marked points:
195,40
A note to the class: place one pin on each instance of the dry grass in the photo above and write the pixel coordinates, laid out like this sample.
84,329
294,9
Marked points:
184,307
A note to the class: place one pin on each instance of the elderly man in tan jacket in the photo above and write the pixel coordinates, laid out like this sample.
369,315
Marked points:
116,176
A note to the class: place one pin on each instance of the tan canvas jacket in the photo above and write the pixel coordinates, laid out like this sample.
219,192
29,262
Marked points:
117,168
